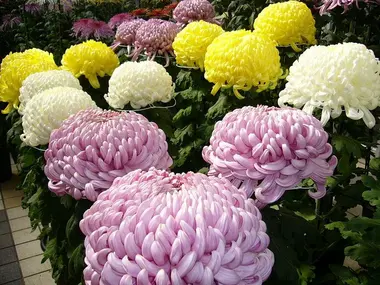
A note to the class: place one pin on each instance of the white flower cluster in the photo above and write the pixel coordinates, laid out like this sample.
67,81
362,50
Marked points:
332,78
48,109
42,81
140,84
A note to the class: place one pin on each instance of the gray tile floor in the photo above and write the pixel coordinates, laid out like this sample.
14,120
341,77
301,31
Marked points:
20,250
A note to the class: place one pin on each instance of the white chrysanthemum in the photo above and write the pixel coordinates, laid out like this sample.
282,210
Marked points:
41,81
332,78
140,84
48,109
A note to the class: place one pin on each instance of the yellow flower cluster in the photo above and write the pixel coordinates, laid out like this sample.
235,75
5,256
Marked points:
288,23
91,59
191,43
16,67
242,60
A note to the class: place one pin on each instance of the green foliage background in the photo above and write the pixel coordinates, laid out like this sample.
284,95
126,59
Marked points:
310,239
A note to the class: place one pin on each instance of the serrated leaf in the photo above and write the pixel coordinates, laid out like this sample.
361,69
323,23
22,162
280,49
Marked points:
344,275
36,196
183,80
182,113
341,226
180,134
305,273
220,108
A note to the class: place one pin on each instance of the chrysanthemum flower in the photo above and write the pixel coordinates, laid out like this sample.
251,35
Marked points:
126,33
41,81
9,21
140,84
194,10
332,78
155,37
33,8
157,227
118,19
242,60
266,151
93,147
48,109
329,5
87,28
191,43
16,67
139,12
288,23
90,59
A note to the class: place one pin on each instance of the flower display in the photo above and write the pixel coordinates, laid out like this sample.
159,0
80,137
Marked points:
155,37
48,109
93,147
267,150
41,81
191,43
86,28
140,84
16,67
332,78
288,23
126,33
242,60
194,10
157,227
329,5
90,59
118,19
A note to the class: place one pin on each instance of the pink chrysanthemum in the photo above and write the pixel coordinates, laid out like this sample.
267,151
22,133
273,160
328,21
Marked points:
118,19
93,147
163,228
33,8
9,21
268,150
87,28
329,5
194,10
155,36
126,32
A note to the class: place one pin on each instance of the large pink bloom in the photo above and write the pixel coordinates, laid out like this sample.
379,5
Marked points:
126,33
118,19
194,10
162,228
88,28
267,150
155,37
94,147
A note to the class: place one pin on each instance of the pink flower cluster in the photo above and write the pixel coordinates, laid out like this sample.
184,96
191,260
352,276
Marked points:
194,10
163,228
87,28
329,5
267,150
119,19
126,33
154,37
93,147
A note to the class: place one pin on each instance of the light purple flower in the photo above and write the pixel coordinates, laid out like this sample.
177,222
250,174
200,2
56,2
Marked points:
87,28
329,5
268,150
163,228
33,8
118,19
194,10
94,147
155,37
126,32
9,21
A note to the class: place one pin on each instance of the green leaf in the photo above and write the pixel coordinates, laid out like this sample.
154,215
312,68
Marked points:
341,226
184,80
51,249
182,113
347,144
344,275
375,163
193,95
305,274
219,109
373,197
76,263
371,182
36,196
344,165
180,134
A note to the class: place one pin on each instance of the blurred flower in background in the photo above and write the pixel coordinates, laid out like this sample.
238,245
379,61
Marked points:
9,21
118,19
87,28
33,8
139,12
328,5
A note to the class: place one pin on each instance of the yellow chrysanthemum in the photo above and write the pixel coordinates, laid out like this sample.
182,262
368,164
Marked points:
91,59
242,60
288,23
191,43
16,67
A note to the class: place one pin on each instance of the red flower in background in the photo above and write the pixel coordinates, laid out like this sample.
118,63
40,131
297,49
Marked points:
86,28
158,13
118,19
138,12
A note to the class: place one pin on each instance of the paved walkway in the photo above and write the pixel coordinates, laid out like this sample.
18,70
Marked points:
20,251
